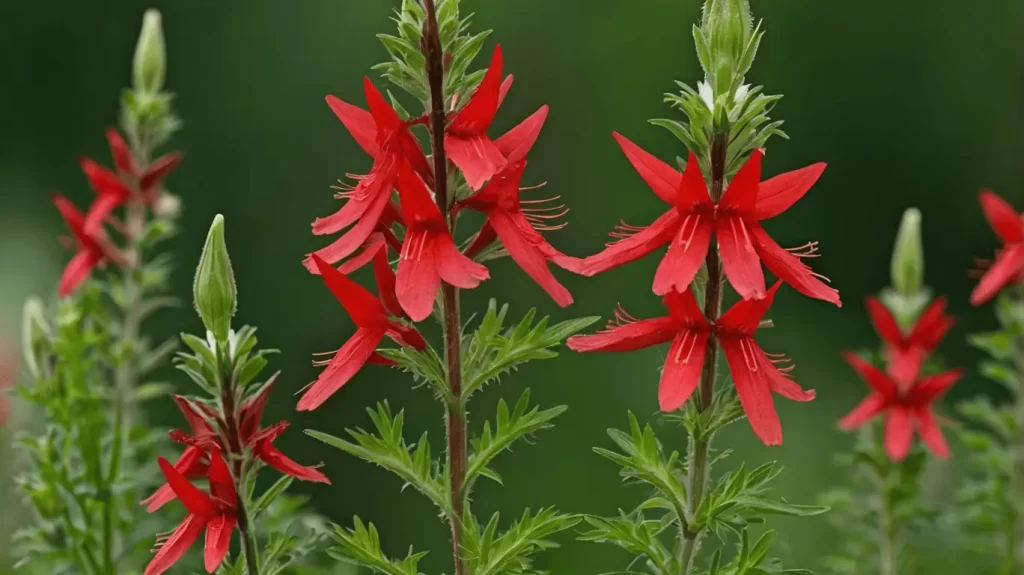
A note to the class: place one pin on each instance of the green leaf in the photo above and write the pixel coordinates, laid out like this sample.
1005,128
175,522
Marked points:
998,344
510,553
361,546
635,534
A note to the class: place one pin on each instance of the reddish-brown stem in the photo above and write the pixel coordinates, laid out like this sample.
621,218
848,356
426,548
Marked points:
236,448
455,409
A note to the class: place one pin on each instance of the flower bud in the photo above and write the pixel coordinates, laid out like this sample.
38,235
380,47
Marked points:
908,255
35,333
150,63
727,26
216,296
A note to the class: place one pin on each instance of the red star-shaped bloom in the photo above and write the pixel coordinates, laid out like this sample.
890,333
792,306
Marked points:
194,462
754,373
466,141
94,249
906,353
904,408
734,220
1009,263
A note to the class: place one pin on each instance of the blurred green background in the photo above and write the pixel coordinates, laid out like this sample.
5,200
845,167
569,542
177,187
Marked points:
911,103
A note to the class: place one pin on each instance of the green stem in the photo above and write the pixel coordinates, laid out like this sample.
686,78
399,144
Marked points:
699,468
1016,497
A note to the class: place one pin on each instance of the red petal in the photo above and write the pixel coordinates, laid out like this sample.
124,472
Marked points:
899,433
417,279
74,220
778,194
453,267
478,114
780,382
476,155
630,337
685,255
753,390
693,190
159,170
253,407
342,368
790,269
484,238
932,326
742,191
406,336
871,375
386,281
931,434
77,271
102,180
385,117
528,256
374,244
188,465
682,371
359,123
123,158
1009,263
356,236
418,208
101,207
745,315
663,179
634,247
365,199
195,419
864,412
194,500
273,457
177,544
1002,217
222,486
365,310
518,141
930,388
884,322
904,364
739,258
218,541
684,309
506,85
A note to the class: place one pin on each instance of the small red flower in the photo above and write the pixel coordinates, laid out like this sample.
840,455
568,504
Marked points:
906,353
513,224
373,322
111,193
734,220
387,139
93,248
1009,263
429,253
904,408
194,461
216,512
754,373
466,141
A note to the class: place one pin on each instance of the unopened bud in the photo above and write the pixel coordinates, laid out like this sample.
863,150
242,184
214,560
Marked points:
216,296
35,333
908,255
727,25
150,63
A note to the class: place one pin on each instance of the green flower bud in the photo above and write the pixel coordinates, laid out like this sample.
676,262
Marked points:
150,63
35,333
727,26
216,296
908,255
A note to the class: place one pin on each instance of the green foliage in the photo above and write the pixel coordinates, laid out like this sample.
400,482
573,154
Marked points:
509,553
361,546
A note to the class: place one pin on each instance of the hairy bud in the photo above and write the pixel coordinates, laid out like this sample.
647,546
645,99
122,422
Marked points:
908,255
216,296
150,63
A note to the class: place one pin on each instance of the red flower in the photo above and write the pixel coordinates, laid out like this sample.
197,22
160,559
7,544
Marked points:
373,323
216,512
428,252
508,221
905,354
387,139
755,374
688,228
93,248
466,141
904,409
110,193
1009,263
193,462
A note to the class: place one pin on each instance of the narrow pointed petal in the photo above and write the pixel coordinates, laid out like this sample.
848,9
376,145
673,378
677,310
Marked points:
682,370
476,155
1005,221
904,364
188,465
476,116
682,306
790,269
374,245
343,367
884,322
484,238
254,406
364,309
273,457
739,258
195,419
417,280
77,271
158,171
780,382
455,268
506,85
753,390
359,123
865,411
356,236
418,206
745,315
871,375
406,336
194,500
778,194
222,486
1008,265
385,117
931,434
101,207
899,433
686,254
177,544
634,247
518,141
931,388
932,326
218,541
102,180
693,190
122,154
630,337
386,282
528,256
75,221
742,191
662,178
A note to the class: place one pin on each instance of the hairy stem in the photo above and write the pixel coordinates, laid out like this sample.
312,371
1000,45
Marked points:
237,454
888,533
1016,497
699,467
455,408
